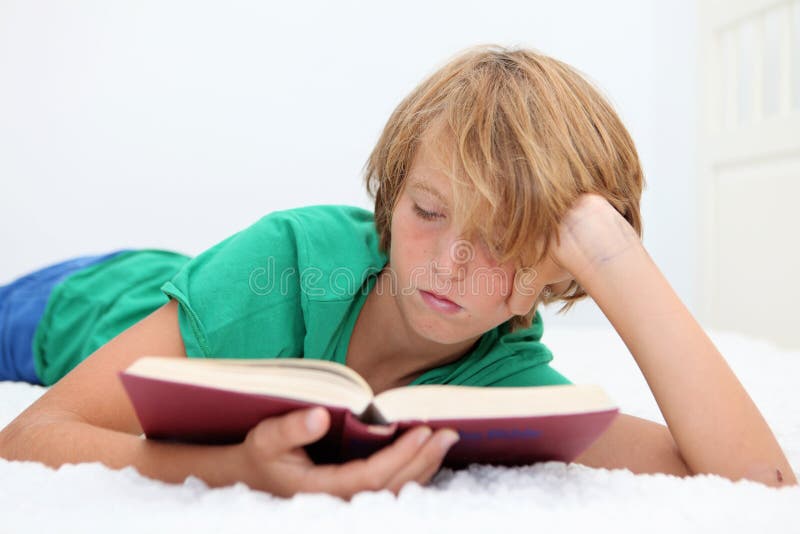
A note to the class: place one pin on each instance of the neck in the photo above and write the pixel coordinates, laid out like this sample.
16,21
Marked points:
397,355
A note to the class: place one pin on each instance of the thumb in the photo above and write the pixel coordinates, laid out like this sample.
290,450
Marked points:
279,434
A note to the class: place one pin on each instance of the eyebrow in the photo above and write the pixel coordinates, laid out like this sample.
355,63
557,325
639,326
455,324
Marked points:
424,186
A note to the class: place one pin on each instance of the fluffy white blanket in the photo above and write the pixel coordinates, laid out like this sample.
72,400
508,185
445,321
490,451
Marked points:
543,497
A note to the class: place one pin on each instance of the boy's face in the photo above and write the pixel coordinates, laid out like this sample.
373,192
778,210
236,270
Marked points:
428,254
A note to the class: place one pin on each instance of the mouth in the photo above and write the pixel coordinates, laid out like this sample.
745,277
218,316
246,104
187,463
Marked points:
438,302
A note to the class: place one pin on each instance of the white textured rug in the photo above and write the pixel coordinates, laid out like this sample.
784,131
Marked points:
548,497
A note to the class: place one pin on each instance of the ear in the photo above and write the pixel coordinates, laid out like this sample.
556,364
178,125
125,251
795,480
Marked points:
524,291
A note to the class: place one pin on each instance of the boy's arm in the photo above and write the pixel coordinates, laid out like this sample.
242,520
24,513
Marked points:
87,417
715,424
270,459
639,445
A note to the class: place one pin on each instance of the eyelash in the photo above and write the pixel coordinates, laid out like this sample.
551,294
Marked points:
427,215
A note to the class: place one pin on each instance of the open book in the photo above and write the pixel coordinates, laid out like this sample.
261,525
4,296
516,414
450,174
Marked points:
218,401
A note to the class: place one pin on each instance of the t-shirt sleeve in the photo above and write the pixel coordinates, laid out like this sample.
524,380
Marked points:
241,298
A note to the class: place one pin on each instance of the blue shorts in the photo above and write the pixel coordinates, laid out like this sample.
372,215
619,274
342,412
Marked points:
22,304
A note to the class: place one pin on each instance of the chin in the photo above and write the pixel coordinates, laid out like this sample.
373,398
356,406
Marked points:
428,324
438,331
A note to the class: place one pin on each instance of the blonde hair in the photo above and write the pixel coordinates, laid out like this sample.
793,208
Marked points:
527,135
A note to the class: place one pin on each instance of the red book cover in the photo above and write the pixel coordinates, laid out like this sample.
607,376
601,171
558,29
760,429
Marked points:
189,413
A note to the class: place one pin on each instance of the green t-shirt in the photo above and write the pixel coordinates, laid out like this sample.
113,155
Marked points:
91,306
292,285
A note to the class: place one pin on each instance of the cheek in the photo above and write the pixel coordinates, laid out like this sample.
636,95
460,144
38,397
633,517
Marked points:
410,240
492,285
489,287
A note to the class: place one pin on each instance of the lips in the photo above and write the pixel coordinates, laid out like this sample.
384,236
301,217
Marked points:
440,297
441,305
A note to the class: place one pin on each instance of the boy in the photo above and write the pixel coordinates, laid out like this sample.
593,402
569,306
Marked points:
503,181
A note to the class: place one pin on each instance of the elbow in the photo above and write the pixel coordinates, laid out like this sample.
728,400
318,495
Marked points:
772,476
15,441
6,441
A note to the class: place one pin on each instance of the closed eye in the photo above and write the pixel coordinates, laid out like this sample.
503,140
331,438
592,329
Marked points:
427,215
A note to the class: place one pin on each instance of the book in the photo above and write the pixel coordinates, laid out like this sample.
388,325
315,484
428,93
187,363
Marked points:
217,401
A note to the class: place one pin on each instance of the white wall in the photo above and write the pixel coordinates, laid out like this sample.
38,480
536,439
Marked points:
174,124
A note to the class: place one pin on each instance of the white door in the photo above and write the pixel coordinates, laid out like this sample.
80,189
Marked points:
749,176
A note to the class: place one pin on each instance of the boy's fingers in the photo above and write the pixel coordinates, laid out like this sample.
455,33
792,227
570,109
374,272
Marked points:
426,462
280,434
369,474
524,292
530,282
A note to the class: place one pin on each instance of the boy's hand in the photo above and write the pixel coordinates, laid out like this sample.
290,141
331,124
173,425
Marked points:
274,460
590,233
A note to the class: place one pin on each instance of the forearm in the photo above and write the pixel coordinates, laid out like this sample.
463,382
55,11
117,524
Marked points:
72,441
715,424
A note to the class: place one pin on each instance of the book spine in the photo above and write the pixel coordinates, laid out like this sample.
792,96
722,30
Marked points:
360,440
327,449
